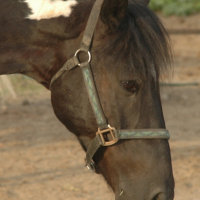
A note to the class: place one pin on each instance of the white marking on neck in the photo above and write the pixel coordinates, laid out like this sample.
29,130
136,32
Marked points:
45,9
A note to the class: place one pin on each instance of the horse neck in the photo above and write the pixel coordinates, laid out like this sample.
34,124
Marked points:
39,48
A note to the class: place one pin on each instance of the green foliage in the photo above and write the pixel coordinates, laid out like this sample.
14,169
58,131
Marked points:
176,7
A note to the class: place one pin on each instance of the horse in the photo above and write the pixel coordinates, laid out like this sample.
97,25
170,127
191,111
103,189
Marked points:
128,49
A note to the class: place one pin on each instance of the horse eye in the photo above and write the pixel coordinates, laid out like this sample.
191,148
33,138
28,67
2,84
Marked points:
130,86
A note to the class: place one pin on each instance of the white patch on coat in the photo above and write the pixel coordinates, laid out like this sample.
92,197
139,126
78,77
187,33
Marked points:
45,9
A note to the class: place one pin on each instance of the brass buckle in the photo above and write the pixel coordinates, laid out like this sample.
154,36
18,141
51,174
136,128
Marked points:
110,130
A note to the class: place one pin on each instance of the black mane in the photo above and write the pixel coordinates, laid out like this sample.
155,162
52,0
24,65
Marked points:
141,37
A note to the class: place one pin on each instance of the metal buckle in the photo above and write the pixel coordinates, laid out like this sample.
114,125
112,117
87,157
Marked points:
89,55
91,167
110,130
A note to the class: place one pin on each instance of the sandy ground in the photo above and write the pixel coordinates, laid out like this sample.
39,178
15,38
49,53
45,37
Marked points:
40,159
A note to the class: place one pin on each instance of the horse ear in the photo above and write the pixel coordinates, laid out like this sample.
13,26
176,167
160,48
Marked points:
113,12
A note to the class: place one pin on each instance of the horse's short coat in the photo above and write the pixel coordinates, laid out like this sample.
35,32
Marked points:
130,49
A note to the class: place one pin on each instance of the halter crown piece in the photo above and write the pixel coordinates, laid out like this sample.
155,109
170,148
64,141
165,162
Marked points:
103,127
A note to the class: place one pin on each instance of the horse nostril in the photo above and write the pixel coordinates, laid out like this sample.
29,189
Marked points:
160,196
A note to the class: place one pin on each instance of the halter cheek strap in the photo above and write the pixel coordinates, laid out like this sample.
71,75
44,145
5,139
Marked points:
103,127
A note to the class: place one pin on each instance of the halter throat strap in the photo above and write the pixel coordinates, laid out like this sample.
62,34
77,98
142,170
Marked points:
103,126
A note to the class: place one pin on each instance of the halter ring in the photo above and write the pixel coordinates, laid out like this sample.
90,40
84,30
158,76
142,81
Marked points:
88,52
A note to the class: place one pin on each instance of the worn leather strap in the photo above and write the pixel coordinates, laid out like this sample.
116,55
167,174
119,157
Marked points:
92,149
70,64
93,96
125,135
144,134
91,25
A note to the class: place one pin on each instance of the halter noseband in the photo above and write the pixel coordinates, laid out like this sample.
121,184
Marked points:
103,126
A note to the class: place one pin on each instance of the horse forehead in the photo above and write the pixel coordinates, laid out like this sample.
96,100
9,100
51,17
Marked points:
45,9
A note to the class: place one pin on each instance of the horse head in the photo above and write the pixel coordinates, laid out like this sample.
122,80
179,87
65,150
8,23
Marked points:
129,51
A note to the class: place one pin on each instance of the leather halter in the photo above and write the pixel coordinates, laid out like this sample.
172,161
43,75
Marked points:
103,127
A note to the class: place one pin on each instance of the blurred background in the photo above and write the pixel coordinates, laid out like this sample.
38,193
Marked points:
40,159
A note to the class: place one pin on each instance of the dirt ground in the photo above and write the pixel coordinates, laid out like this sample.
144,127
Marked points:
40,159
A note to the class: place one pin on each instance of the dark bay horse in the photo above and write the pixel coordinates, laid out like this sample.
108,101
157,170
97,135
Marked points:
129,51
